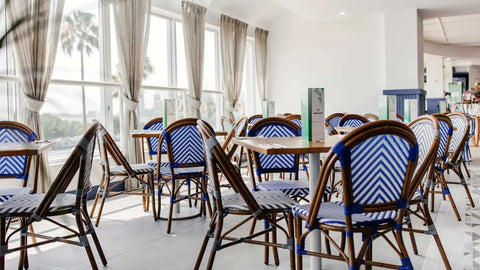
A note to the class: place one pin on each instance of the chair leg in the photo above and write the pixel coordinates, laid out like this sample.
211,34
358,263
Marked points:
216,242
443,182
208,235
99,191
23,258
406,263
299,241
291,235
172,203
30,228
431,228
91,230
466,169
82,237
152,194
464,184
369,254
266,253
275,250
412,235
102,203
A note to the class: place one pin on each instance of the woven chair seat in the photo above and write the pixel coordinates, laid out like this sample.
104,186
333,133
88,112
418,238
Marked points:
8,192
332,213
26,204
288,187
267,200
183,171
153,163
140,168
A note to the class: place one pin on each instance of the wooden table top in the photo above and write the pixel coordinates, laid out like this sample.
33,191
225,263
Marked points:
146,133
286,145
25,148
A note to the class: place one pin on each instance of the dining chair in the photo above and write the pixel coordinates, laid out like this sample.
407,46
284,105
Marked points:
297,119
186,166
116,175
400,118
371,117
266,165
352,120
15,166
227,123
32,208
467,154
436,173
269,206
461,131
334,119
378,161
254,118
152,143
427,131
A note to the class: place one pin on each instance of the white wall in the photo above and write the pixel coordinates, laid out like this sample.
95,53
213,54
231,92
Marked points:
434,85
346,57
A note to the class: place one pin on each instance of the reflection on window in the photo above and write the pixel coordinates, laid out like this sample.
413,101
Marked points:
64,119
77,53
209,108
182,81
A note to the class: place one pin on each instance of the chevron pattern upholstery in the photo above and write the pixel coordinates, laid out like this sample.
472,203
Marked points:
461,126
445,132
153,142
8,192
332,213
425,133
352,122
335,121
298,122
378,167
254,120
292,188
267,162
267,200
14,166
187,145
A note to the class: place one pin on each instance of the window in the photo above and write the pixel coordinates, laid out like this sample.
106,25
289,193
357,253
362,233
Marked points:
156,64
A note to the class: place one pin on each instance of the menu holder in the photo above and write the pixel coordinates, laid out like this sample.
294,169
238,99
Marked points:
169,112
410,109
313,115
268,108
387,107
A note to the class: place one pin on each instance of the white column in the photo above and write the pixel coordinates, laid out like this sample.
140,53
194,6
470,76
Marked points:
434,75
403,49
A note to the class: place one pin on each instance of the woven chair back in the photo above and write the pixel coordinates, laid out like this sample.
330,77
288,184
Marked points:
295,118
353,120
152,143
275,127
371,117
377,165
427,131
79,163
15,166
254,119
461,131
218,161
334,119
446,131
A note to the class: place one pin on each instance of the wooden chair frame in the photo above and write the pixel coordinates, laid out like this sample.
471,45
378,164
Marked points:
79,163
178,181
369,233
217,162
421,199
353,116
370,116
108,147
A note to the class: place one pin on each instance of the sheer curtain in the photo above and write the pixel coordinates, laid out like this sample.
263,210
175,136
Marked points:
132,19
233,41
35,42
261,60
194,33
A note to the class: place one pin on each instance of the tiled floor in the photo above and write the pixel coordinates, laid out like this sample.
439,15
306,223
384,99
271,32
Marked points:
132,240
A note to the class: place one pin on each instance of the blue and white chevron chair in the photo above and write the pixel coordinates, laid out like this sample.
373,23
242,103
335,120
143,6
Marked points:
427,131
272,207
32,208
371,117
400,117
15,166
436,175
269,164
186,165
297,119
116,175
333,121
352,120
460,137
467,154
254,119
378,161
152,143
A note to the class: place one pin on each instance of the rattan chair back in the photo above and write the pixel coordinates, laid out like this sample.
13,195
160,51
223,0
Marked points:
371,117
461,131
334,119
446,131
352,120
152,143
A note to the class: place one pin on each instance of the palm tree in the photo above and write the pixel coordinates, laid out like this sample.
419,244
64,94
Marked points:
79,31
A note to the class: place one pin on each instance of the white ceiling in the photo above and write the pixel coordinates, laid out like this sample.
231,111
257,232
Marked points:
457,30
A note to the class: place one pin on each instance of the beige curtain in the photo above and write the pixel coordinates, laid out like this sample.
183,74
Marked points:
261,60
194,34
233,41
35,43
132,20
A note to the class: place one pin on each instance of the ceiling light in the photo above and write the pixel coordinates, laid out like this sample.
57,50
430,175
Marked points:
448,59
342,13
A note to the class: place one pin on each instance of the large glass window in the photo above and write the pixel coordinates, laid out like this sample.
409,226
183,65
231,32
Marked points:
156,64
